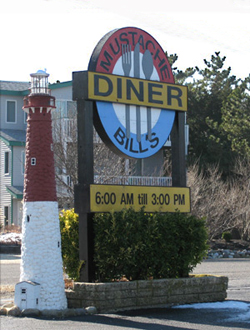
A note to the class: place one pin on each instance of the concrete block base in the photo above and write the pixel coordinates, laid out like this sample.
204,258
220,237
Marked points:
118,296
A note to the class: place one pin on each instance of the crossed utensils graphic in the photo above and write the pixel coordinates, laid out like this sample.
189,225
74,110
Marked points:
147,68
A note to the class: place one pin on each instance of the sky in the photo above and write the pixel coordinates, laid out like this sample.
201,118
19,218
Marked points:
60,35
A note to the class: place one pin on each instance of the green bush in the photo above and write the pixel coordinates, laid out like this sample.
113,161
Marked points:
227,236
139,245
69,226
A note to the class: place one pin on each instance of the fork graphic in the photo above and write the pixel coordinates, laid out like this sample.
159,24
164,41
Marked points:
126,66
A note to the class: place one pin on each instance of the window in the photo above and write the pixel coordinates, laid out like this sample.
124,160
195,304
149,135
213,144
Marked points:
23,291
25,117
22,162
68,178
6,162
11,112
33,161
6,215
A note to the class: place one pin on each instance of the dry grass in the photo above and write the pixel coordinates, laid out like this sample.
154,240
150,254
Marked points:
7,289
12,229
69,284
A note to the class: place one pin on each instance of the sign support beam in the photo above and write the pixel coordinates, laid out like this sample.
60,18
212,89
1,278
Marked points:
178,151
85,175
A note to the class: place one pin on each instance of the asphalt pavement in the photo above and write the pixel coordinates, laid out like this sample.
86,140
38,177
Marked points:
237,270
9,269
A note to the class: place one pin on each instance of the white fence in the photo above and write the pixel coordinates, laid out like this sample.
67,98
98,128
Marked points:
135,180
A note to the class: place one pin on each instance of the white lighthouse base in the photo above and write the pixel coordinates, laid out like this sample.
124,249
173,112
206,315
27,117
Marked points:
41,260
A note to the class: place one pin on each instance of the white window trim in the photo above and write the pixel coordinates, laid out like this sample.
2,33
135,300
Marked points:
25,117
11,122
8,214
33,161
5,153
22,162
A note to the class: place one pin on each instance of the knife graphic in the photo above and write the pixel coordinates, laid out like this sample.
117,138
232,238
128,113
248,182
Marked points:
137,75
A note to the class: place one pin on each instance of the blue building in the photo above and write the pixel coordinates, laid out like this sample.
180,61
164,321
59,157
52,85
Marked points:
12,143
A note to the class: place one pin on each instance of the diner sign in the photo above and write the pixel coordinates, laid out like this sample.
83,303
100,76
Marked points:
108,198
119,89
131,80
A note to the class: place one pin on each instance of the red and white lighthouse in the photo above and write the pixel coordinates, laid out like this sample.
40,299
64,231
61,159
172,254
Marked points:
41,260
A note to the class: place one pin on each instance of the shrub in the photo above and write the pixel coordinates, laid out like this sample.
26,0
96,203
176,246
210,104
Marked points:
69,226
227,236
139,245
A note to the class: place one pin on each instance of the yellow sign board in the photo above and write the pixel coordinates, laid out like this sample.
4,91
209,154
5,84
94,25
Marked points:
107,198
142,92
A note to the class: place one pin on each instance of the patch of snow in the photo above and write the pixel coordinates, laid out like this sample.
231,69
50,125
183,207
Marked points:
10,238
241,317
239,305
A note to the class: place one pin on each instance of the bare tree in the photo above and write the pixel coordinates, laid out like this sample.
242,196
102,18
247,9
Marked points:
108,167
224,204
65,153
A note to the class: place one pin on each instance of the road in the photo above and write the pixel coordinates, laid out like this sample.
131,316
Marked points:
10,269
237,270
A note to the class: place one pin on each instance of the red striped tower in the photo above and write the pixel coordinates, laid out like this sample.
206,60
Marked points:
39,182
41,261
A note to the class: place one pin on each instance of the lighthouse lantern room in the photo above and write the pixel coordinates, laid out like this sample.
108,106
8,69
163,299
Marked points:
41,260
39,93
39,82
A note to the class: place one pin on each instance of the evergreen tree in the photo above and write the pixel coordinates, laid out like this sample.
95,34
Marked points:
218,112
236,119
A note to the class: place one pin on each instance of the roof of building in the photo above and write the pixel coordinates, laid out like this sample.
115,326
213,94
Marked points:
60,84
13,137
21,88
15,191
28,282
14,85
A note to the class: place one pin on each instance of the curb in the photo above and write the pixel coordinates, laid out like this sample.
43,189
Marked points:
12,310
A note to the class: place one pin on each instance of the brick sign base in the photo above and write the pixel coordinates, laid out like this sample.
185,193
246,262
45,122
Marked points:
107,297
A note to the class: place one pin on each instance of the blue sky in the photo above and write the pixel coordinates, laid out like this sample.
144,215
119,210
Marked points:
60,35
